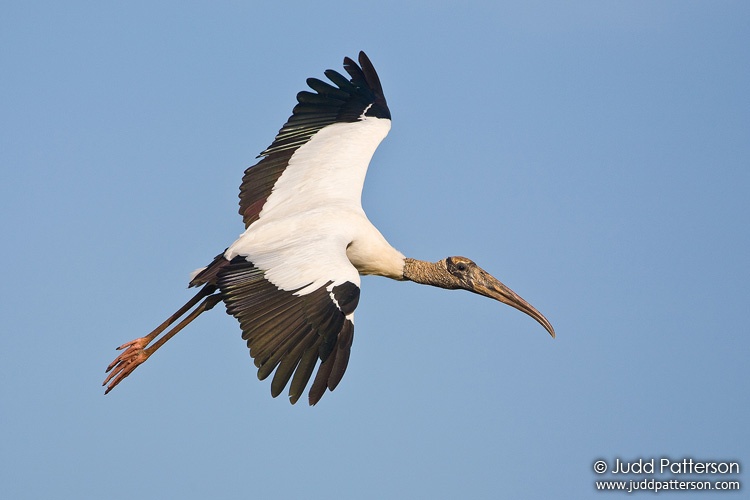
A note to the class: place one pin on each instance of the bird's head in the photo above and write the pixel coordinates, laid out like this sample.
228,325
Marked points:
460,272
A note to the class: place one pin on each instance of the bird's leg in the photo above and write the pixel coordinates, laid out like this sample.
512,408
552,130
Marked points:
136,351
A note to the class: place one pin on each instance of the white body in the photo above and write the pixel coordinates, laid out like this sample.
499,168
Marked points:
312,228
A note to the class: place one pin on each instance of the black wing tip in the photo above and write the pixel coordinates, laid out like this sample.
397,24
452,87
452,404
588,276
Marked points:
364,76
362,58
366,64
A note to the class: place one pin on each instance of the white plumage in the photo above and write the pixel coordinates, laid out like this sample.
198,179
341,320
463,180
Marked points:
315,212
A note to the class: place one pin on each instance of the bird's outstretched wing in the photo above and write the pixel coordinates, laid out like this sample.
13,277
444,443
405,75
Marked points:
344,102
288,279
288,332
295,305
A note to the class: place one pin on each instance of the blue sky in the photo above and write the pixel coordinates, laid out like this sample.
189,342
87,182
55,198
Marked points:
593,156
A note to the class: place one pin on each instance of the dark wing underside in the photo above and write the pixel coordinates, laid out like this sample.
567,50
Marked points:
345,102
289,333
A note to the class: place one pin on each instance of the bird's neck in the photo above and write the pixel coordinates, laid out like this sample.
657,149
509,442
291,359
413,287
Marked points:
427,273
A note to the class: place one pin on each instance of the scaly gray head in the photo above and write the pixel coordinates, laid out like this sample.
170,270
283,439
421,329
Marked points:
460,272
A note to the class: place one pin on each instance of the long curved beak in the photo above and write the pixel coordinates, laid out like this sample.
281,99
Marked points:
486,284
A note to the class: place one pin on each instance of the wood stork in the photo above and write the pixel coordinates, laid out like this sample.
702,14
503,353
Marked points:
292,278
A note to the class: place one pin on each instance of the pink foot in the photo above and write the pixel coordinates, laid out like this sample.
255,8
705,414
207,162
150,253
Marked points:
133,355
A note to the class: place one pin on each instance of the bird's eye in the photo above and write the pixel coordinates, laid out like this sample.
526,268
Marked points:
457,267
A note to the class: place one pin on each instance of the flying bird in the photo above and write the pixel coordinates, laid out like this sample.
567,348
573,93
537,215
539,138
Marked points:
292,279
